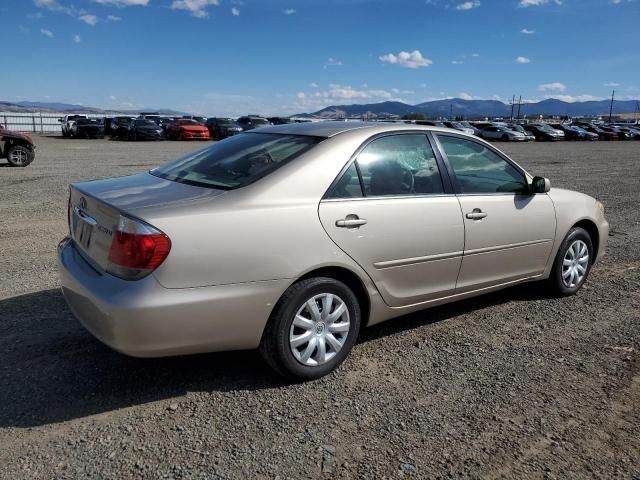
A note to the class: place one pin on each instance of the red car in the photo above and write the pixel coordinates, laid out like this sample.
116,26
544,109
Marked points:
187,129
16,147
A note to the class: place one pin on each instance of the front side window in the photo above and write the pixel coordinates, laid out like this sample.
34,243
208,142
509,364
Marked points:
479,169
396,165
236,161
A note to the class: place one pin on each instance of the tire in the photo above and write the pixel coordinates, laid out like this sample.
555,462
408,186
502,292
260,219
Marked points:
505,137
19,156
275,346
575,239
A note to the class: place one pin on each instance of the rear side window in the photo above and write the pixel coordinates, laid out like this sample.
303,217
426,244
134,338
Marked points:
236,161
479,169
395,165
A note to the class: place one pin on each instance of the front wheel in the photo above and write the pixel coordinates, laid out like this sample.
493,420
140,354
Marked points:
505,138
20,156
572,263
312,329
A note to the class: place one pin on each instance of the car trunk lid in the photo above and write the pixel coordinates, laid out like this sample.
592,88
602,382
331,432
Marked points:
95,208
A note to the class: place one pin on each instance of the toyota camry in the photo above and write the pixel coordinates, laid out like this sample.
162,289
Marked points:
291,239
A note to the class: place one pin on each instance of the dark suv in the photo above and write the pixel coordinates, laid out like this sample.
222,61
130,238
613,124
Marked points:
253,121
220,128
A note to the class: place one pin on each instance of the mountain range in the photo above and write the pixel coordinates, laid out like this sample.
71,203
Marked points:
472,109
57,107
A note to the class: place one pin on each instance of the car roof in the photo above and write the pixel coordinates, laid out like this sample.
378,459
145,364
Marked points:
328,129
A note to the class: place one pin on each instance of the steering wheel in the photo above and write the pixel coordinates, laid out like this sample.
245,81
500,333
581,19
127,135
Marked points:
407,179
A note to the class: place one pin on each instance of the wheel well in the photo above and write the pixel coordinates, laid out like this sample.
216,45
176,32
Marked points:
592,230
351,280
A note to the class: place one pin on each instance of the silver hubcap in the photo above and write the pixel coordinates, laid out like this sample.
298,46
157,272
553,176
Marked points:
18,157
575,263
319,329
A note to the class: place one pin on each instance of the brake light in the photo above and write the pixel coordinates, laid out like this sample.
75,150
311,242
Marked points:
137,249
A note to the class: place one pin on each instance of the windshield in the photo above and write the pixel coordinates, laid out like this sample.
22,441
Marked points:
259,121
145,123
236,161
188,122
226,122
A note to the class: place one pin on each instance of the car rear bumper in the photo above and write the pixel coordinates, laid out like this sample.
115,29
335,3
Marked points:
194,136
143,319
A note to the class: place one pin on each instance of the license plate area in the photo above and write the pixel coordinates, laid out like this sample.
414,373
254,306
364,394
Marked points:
82,228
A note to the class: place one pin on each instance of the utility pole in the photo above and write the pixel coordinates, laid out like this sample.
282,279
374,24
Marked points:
519,104
513,104
613,93
451,112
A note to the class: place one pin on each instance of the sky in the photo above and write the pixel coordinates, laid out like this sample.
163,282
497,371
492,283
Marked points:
271,57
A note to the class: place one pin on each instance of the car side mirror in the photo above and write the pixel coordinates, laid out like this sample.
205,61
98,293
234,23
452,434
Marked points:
540,185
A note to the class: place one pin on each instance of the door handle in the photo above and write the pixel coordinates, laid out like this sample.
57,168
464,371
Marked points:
476,214
351,221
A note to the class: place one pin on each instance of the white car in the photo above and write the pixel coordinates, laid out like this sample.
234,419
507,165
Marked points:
498,132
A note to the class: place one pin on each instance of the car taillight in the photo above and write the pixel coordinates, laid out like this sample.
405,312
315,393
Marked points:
137,249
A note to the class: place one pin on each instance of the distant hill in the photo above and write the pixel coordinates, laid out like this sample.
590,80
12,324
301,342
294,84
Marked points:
479,108
63,108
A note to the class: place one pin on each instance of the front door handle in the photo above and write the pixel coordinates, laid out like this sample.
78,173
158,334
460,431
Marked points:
351,221
476,214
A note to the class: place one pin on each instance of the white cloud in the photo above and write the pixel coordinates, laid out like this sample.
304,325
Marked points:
88,19
53,5
235,12
406,59
465,96
423,85
522,60
536,3
526,31
46,33
612,84
124,3
313,85
397,91
468,5
289,11
332,62
196,7
77,39
552,87
574,98
475,55
457,62
113,18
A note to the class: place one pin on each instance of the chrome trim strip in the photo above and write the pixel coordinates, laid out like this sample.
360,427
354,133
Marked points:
394,197
478,251
410,261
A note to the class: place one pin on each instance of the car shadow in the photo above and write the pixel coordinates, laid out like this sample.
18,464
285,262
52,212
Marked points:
52,370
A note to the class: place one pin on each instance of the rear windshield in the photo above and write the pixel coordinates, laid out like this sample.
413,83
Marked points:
188,122
236,161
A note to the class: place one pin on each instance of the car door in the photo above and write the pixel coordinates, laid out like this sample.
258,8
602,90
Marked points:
393,211
509,232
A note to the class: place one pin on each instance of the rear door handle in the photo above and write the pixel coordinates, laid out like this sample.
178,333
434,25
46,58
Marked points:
476,214
351,221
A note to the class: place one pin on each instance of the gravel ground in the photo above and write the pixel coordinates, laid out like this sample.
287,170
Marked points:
510,385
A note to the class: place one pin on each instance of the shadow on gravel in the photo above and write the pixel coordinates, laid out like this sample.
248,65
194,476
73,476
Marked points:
52,370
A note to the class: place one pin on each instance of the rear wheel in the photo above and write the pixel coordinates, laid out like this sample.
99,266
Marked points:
572,263
505,137
312,329
19,156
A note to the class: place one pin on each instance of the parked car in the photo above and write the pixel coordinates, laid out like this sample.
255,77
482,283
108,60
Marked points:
201,120
466,124
250,122
17,148
573,132
221,128
187,129
505,134
280,239
139,129
542,132
460,127
602,134
519,128
431,123
67,123
632,133
622,135
87,128
111,124
279,120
